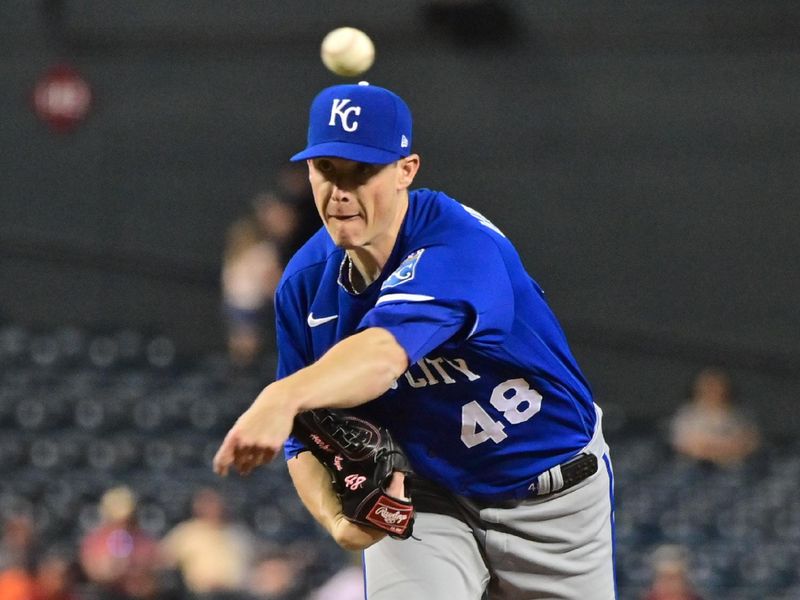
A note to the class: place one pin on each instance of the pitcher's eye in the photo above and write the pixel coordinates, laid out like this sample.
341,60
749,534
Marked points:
323,165
365,169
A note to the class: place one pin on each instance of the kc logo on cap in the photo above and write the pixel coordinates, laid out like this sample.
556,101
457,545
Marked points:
363,122
336,111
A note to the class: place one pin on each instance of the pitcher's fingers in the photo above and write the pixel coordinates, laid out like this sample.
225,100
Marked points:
245,459
397,486
220,468
248,458
224,457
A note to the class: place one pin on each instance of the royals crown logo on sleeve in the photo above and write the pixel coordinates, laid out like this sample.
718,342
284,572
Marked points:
405,272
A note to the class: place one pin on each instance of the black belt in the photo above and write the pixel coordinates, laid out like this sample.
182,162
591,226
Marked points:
565,475
431,497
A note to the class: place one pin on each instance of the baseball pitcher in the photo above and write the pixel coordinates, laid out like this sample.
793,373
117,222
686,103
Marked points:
427,401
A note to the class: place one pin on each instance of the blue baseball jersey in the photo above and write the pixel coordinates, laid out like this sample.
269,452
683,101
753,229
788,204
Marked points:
493,395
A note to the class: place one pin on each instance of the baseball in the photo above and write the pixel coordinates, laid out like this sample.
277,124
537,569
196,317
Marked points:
347,51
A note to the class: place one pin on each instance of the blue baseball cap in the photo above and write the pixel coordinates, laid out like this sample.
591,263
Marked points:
361,122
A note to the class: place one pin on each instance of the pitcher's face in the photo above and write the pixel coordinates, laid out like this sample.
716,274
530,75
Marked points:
360,204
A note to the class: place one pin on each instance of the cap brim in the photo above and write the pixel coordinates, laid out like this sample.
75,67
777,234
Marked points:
365,154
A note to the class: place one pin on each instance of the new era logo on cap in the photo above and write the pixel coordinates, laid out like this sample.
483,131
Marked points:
361,122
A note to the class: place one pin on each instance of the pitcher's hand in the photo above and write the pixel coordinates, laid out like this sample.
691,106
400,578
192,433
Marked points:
257,436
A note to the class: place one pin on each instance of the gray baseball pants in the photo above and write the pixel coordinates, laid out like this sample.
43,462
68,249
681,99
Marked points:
558,547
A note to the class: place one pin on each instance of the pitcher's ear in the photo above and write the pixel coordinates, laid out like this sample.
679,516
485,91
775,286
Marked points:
408,170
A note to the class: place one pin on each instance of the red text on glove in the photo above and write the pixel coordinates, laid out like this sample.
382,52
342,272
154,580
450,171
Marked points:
320,442
354,481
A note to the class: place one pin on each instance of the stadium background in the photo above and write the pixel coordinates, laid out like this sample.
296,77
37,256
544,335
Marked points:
643,158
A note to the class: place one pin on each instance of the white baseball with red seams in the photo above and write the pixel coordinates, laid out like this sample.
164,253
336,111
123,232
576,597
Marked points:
347,51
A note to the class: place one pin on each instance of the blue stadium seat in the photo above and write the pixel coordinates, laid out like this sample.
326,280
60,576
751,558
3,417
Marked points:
81,412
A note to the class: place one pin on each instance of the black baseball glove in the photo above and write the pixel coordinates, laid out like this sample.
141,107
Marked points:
361,458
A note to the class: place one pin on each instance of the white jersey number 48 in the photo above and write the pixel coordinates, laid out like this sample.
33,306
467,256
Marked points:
514,398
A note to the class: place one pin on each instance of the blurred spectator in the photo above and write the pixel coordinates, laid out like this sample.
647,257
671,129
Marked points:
27,572
278,574
671,579
54,577
213,555
277,217
258,246
117,556
251,269
709,427
346,584
256,251
18,545
16,584
17,556
293,185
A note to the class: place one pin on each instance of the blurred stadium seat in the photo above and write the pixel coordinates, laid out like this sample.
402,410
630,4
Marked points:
80,413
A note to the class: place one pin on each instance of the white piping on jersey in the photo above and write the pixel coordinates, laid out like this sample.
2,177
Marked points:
474,327
403,298
597,445
552,480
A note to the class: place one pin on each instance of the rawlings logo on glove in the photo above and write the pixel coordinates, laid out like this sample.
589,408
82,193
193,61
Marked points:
361,459
390,515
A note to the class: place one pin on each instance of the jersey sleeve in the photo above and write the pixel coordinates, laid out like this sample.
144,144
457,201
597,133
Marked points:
291,358
289,332
446,292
